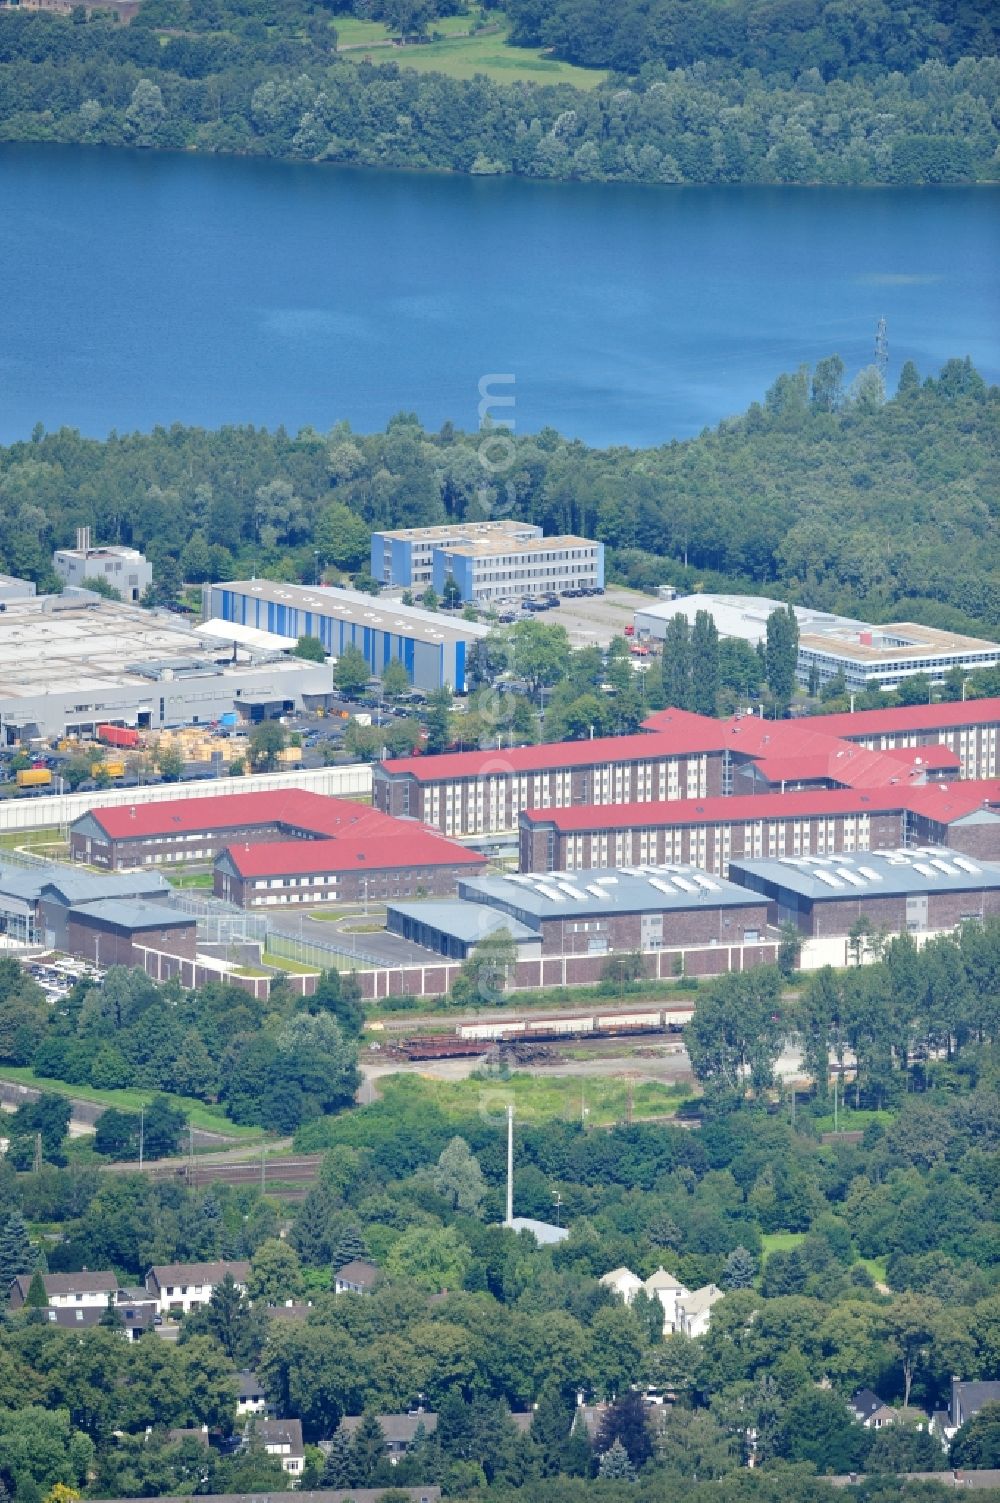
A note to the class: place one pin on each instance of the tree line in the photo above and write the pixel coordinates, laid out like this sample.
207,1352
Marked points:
281,90
823,493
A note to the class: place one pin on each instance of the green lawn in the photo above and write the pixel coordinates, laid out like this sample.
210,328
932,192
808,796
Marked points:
47,842
190,879
779,1242
852,1121
541,1098
464,56
208,1118
297,967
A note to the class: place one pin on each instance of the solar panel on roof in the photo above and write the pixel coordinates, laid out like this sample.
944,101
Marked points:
829,879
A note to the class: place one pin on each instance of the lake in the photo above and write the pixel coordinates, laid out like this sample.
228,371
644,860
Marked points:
141,288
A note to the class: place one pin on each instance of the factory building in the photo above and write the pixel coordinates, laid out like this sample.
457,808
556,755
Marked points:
404,558
69,663
475,793
898,892
711,833
869,657
595,913
493,569
433,648
125,569
970,729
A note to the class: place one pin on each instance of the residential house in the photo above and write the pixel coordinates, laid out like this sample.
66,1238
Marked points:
872,1412
668,1290
282,1438
966,1401
694,1311
356,1277
660,1285
399,1429
136,1316
67,1291
250,1396
623,1282
180,1287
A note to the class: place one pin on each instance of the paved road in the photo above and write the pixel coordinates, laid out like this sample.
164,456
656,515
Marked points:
387,949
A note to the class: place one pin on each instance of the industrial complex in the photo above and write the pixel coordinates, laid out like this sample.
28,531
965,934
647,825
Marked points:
488,561
433,648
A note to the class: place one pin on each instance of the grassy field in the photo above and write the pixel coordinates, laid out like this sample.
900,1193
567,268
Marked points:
296,967
207,1118
464,56
203,880
47,842
779,1242
851,1121
543,1098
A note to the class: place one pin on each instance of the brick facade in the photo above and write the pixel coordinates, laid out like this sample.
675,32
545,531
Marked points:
353,886
155,850
622,933
112,944
491,800
710,847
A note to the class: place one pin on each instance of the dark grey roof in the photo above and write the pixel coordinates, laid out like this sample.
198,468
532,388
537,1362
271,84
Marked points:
134,1317
274,1432
466,922
358,1271
623,889
75,886
198,1273
865,1403
968,1398
101,1281
397,1428
133,914
250,1386
873,874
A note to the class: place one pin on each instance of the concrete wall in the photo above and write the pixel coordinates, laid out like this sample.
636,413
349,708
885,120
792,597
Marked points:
62,808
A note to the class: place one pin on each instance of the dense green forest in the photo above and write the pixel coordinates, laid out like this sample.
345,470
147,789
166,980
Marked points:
835,39
819,494
844,1263
754,93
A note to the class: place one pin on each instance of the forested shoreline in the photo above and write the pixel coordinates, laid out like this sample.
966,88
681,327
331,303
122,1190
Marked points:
824,493
281,90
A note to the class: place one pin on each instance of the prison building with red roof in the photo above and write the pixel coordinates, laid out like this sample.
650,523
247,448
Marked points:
709,833
483,792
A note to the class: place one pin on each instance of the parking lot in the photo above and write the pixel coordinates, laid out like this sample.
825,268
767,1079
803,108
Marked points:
595,620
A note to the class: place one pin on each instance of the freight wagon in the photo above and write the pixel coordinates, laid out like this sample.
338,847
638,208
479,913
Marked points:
599,1025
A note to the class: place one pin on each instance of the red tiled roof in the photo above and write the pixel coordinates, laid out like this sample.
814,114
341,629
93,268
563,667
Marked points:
910,718
684,740
941,801
402,846
931,757
294,807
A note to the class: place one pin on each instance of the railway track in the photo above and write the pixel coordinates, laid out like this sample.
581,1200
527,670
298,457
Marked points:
296,1173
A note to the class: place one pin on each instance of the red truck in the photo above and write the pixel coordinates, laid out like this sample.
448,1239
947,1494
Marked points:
118,735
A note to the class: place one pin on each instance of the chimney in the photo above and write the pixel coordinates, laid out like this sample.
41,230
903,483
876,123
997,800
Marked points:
83,539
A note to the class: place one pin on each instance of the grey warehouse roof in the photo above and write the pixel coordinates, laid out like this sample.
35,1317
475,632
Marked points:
623,889
361,610
871,874
467,922
93,887
133,914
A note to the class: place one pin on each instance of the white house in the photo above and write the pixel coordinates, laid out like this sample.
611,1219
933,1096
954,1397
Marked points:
251,1397
179,1287
283,1438
694,1311
663,1286
623,1282
67,1291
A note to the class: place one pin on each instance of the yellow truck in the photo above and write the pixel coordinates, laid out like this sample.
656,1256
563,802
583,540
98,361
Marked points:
34,777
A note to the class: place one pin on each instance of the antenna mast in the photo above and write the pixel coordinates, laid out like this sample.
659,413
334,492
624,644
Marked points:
510,1163
881,350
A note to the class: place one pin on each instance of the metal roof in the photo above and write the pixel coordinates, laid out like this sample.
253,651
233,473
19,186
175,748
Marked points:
624,889
359,609
467,922
127,913
929,869
911,718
